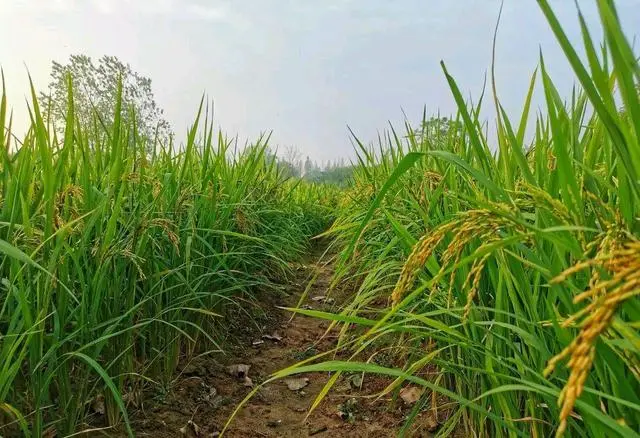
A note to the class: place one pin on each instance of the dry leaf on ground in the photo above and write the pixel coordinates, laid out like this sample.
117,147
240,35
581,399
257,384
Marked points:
274,337
239,371
190,429
297,383
410,394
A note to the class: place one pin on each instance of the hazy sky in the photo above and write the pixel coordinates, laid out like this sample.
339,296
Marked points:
303,68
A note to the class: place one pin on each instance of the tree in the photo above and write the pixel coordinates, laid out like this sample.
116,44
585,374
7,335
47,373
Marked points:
308,167
437,130
293,158
95,87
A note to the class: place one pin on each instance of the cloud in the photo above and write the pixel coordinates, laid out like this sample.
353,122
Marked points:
176,9
61,5
213,13
218,13
104,6
162,7
40,5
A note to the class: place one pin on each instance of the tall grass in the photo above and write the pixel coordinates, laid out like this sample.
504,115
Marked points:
511,277
117,262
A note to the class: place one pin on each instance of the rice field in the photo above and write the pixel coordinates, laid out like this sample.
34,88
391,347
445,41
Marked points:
501,270
118,261
505,276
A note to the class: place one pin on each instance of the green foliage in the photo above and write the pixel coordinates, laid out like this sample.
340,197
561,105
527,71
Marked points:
336,173
512,273
435,130
498,262
95,87
115,263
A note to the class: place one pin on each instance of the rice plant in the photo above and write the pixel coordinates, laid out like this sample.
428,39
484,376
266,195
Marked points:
120,257
505,276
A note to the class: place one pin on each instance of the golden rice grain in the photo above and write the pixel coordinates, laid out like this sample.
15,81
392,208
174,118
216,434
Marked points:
622,264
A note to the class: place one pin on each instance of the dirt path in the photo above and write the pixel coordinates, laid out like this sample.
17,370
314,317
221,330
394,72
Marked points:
205,394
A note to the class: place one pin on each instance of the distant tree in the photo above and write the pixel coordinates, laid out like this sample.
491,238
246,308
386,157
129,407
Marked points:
436,129
293,158
288,164
308,167
95,86
292,165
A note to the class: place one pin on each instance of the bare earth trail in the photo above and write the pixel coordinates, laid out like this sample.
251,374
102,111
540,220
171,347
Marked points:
205,394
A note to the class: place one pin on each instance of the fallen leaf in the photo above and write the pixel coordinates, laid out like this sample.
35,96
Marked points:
274,337
297,383
410,394
239,371
431,423
323,299
190,429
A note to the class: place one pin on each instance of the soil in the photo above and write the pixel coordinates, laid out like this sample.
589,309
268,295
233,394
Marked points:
205,393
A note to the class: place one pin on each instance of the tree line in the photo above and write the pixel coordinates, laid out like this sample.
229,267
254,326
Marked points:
95,88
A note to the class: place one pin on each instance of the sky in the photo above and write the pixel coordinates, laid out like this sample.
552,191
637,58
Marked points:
305,70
